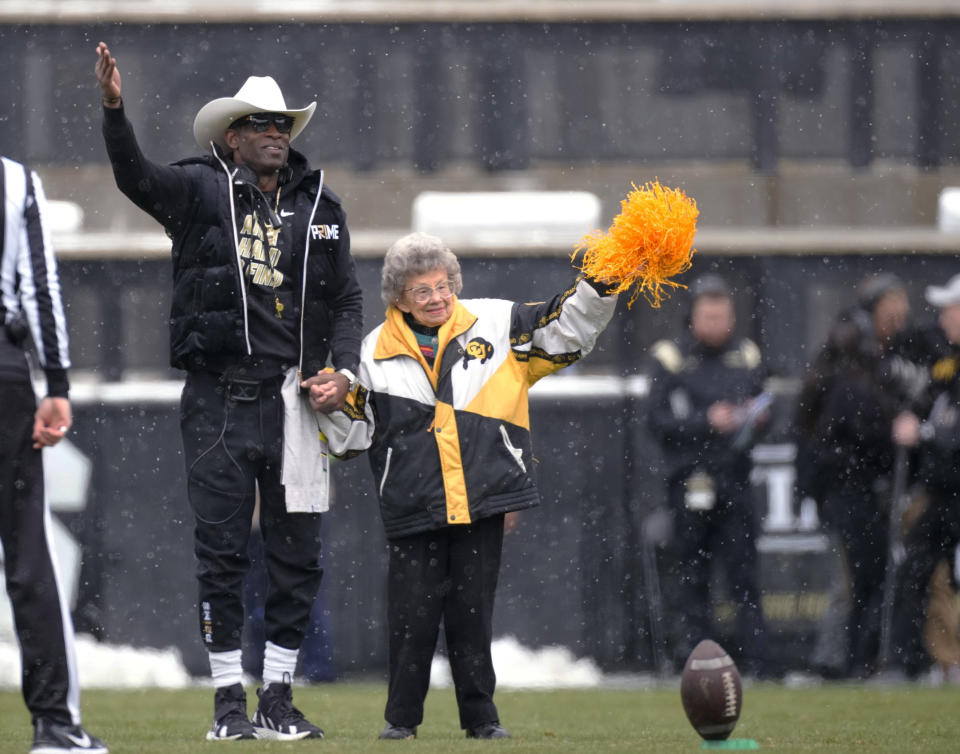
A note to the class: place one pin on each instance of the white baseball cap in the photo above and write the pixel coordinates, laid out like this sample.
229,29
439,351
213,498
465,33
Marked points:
941,296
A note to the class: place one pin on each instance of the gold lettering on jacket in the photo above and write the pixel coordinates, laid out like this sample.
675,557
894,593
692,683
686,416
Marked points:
256,241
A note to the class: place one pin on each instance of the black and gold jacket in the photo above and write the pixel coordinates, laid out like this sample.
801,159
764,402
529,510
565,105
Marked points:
689,377
939,451
450,444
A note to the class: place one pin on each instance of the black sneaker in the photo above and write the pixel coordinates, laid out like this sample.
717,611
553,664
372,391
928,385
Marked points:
488,730
277,719
230,721
397,733
55,738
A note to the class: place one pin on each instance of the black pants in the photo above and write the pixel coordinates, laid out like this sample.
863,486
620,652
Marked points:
451,574
934,537
727,532
42,621
233,444
859,521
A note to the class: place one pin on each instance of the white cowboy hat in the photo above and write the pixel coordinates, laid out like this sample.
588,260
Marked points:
259,94
941,296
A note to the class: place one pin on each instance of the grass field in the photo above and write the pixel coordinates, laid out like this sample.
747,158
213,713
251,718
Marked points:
836,718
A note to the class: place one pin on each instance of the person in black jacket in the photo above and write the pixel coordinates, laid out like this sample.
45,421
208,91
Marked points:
30,305
264,295
845,414
706,405
936,535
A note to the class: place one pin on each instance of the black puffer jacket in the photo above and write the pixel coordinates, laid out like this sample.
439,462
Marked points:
195,200
854,443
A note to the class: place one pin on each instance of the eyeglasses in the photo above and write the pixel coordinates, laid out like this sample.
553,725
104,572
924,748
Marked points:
261,122
423,293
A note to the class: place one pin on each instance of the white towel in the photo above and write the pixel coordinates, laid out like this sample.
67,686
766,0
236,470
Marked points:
306,463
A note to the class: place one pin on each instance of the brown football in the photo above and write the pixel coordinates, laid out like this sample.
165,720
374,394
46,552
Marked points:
711,691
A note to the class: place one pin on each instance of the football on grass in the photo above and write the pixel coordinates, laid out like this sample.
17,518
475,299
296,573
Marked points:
711,692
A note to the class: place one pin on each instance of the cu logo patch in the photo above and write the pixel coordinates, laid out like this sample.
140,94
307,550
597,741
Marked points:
477,348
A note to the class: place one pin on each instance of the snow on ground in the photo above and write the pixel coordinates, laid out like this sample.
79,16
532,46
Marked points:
109,666
114,666
517,666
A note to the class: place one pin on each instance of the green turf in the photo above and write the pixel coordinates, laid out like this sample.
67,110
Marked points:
829,718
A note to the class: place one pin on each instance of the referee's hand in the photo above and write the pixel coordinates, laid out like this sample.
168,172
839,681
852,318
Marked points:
51,422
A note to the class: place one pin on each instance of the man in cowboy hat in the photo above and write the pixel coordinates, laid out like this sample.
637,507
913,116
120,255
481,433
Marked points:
265,294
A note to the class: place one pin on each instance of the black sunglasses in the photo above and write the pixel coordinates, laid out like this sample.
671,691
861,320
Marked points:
260,122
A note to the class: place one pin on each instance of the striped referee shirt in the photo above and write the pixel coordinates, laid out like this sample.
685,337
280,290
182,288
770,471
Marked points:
29,284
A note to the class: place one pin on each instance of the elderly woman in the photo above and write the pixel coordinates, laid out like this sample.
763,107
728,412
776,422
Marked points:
441,404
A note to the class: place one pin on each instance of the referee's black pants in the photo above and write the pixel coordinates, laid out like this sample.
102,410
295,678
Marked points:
40,615
233,444
449,574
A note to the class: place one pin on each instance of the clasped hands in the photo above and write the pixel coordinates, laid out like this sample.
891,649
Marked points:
326,391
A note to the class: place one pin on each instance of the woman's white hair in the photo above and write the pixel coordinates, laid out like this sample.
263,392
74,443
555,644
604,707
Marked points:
415,254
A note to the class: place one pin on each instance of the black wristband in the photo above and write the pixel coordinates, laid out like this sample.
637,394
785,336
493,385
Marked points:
58,384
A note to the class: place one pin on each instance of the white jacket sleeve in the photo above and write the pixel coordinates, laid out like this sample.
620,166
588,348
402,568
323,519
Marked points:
349,431
564,329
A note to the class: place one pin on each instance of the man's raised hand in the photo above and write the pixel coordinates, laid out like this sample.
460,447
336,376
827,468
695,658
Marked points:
108,76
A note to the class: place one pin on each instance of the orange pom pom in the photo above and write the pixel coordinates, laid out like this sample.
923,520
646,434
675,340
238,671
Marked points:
650,241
